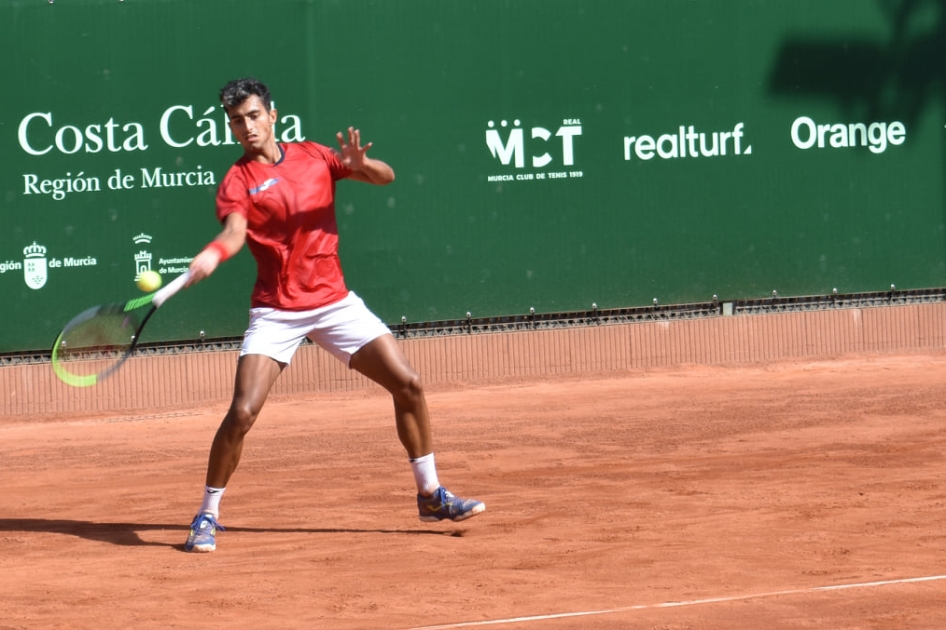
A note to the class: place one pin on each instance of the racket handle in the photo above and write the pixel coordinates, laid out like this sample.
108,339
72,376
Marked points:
172,287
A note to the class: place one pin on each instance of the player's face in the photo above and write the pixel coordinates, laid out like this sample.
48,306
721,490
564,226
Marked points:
252,125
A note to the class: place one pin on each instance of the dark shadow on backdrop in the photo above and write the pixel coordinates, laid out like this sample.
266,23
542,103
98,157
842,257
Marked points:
872,80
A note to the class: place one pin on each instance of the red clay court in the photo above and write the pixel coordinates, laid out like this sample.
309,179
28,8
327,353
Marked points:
802,493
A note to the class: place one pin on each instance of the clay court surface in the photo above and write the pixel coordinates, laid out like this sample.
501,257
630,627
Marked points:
677,498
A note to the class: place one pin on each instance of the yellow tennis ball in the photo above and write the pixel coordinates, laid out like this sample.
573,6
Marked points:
149,281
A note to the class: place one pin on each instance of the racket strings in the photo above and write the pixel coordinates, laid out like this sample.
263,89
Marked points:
96,342
106,333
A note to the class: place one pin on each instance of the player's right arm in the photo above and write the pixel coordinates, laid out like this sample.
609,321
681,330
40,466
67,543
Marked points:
225,245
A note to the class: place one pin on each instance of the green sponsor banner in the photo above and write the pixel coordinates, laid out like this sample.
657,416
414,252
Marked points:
550,154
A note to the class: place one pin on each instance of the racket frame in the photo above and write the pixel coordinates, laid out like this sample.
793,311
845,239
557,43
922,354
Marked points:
155,299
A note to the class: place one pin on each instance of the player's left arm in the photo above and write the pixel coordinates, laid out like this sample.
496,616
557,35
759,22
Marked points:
363,168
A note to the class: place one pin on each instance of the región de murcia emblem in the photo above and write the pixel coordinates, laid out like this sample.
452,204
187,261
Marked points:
34,266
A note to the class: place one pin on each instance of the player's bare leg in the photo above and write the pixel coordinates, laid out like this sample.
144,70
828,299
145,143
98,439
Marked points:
383,362
254,378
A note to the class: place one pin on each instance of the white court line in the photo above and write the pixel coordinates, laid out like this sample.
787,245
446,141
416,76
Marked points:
692,602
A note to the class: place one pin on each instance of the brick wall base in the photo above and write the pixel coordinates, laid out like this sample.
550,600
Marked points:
200,378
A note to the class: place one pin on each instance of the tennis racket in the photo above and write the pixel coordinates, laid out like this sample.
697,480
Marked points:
96,342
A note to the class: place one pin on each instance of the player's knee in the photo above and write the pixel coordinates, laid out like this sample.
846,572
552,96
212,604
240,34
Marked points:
241,417
411,391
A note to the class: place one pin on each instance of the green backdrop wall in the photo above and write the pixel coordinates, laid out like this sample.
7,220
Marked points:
550,154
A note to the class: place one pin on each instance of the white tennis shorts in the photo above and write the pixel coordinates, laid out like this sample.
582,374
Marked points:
342,328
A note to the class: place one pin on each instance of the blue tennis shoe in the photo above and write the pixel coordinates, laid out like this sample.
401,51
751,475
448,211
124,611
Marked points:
443,505
203,535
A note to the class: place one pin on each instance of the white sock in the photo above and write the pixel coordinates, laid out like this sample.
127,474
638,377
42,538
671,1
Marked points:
211,504
425,474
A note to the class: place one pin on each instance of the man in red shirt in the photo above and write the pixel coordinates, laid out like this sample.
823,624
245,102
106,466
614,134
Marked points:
279,199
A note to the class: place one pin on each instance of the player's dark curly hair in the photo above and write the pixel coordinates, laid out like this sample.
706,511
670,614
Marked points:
238,90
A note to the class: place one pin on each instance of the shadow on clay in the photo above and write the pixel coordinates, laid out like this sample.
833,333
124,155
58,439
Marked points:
127,534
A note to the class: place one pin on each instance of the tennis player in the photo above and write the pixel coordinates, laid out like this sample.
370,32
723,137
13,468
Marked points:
279,199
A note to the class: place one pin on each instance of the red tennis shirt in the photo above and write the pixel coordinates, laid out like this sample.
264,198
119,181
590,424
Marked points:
291,230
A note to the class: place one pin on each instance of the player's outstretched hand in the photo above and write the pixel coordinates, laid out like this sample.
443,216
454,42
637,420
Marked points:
352,153
363,168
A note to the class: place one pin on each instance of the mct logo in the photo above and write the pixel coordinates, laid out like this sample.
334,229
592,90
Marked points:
513,149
